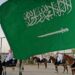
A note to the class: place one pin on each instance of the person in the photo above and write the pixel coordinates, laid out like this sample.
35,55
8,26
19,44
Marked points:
9,56
59,58
39,56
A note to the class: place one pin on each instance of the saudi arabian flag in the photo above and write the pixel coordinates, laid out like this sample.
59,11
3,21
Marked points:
38,26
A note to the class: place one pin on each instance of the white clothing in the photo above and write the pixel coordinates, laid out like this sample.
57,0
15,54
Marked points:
59,57
9,57
39,56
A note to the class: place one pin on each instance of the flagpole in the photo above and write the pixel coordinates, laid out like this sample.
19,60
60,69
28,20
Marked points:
20,67
4,71
1,41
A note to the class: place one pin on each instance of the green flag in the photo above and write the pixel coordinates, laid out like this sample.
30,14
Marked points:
38,26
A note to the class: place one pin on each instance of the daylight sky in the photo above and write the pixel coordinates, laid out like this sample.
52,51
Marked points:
5,47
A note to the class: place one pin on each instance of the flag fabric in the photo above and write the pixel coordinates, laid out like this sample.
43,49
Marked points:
38,26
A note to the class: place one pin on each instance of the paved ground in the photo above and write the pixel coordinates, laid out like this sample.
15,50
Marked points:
33,70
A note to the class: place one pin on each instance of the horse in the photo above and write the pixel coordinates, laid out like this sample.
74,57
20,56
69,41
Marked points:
64,64
71,63
38,61
11,63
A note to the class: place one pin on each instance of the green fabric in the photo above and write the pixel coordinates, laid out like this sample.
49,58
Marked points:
38,26
0,15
